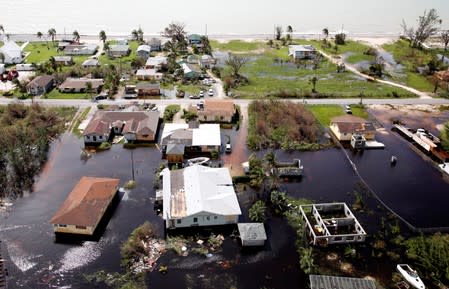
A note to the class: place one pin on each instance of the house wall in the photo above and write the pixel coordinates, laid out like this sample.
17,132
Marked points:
72,229
202,219
130,136
175,158
208,149
93,138
253,242
143,54
142,137
143,92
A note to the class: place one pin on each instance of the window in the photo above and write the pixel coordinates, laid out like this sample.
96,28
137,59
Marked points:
62,225
100,137
81,227
87,137
215,217
208,218
195,220
178,221
145,135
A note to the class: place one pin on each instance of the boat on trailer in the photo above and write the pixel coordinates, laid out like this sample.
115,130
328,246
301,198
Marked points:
410,275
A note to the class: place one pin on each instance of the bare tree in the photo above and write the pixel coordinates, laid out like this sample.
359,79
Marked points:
445,40
428,25
278,31
236,62
175,31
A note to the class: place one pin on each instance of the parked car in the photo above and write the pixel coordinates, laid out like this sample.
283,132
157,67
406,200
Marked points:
201,93
194,96
211,92
228,148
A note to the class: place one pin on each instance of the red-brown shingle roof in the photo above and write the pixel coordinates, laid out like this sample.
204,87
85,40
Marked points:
87,202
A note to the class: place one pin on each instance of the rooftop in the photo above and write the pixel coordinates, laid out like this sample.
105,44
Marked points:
41,80
252,231
205,134
332,282
79,83
87,202
350,124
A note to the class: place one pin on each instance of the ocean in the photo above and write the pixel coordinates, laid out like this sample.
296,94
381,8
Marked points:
231,17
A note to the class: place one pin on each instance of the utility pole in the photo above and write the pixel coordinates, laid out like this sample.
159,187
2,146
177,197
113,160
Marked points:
132,163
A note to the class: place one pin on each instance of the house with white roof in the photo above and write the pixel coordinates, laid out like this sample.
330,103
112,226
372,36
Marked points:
12,52
199,196
180,139
302,51
157,62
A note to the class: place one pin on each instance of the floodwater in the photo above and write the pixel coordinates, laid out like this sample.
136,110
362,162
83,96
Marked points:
414,188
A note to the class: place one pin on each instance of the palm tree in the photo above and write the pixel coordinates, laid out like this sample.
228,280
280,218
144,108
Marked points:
52,34
135,35
2,57
39,35
445,41
102,36
289,29
140,34
313,81
76,36
306,260
2,28
171,48
89,88
326,33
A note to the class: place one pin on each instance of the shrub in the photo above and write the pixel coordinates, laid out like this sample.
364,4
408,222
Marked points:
257,212
340,39
104,146
170,111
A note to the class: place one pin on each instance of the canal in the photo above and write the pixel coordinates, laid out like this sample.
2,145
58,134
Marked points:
413,188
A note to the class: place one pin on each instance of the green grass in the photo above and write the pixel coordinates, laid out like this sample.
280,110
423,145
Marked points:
78,121
123,62
359,110
192,88
55,94
236,45
411,59
267,78
40,52
324,113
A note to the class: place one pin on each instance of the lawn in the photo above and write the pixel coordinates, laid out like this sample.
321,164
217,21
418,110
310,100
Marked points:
411,59
123,62
237,45
40,52
270,78
55,94
324,113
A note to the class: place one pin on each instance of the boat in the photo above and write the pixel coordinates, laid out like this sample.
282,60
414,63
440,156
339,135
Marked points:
410,275
197,161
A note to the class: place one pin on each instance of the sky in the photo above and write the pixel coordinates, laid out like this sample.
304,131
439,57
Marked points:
224,17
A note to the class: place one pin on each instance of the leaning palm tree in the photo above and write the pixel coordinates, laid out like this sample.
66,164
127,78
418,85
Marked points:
52,34
289,29
39,35
313,81
135,35
76,36
102,36
326,33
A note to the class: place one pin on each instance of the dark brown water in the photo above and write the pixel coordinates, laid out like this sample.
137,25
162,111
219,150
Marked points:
414,188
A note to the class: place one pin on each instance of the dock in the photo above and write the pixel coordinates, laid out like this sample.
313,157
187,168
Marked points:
289,170
372,144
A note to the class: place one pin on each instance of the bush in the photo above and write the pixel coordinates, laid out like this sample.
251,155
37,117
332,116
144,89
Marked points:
189,115
170,111
134,246
257,212
104,146
340,39
216,71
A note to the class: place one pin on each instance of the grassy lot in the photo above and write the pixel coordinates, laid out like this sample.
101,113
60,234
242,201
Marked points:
359,110
78,121
40,52
324,113
124,62
237,45
411,59
55,94
267,78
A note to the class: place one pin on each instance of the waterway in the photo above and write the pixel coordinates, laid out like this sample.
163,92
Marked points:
414,188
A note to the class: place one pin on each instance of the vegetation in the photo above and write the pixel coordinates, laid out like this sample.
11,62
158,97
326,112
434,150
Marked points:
445,137
26,132
324,112
280,124
133,248
431,254
104,146
78,121
428,25
170,112
257,212
39,52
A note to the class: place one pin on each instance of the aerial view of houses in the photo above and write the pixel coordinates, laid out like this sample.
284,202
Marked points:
139,154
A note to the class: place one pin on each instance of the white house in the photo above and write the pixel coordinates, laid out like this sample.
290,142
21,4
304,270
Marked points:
302,51
12,52
157,62
2,68
143,51
199,196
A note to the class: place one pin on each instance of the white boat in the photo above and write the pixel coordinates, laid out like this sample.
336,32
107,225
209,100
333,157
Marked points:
197,161
410,275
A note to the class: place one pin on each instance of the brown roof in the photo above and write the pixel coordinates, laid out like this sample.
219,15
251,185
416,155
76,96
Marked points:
350,124
213,107
78,83
98,127
87,202
443,75
141,122
40,81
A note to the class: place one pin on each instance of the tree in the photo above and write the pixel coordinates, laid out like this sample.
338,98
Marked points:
445,41
89,88
76,36
445,137
172,49
2,57
134,35
207,48
2,28
428,25
175,31
340,39
313,81
102,36
279,201
52,34
289,29
326,33
39,35
257,211
306,260
235,63
278,32
140,35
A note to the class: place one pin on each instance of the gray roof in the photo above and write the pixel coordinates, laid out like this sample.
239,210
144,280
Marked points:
252,231
154,41
175,149
90,62
332,282
40,81
118,47
144,85
62,58
144,47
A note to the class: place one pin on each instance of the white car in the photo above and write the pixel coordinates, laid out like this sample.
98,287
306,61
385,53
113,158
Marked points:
211,92
201,93
228,148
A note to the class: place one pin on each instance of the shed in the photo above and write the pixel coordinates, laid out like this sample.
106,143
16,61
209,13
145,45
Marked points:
252,234
333,282
175,152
